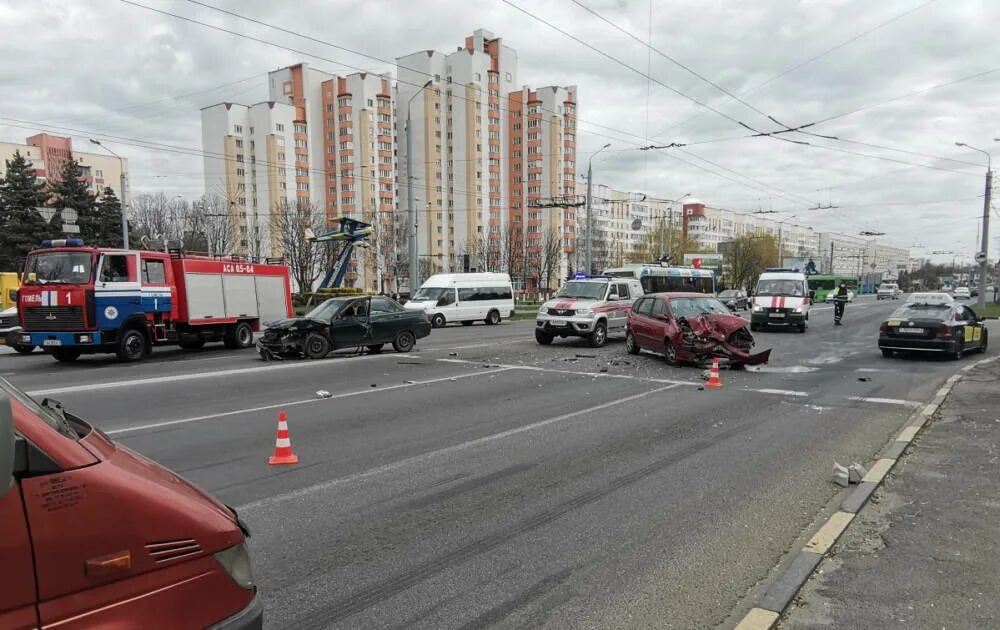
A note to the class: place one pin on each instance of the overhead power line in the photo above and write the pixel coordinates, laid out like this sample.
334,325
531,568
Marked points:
630,67
677,63
341,48
808,61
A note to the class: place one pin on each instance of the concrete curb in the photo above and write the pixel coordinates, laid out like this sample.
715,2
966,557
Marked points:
783,590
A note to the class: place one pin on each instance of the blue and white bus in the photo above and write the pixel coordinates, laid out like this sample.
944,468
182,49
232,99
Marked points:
660,279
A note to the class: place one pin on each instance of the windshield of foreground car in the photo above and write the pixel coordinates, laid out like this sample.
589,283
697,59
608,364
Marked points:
431,293
58,268
583,290
326,310
939,312
687,307
780,287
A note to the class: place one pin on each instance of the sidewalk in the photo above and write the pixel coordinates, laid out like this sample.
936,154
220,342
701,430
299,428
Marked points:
925,551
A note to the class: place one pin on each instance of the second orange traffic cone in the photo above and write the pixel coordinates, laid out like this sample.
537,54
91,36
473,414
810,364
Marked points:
283,444
713,374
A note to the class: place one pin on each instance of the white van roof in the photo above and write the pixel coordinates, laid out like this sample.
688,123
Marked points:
455,279
782,275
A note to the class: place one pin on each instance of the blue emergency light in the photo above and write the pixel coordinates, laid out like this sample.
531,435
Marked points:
63,242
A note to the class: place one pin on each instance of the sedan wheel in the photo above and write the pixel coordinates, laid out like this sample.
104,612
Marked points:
669,352
404,341
630,345
957,353
887,353
985,342
316,346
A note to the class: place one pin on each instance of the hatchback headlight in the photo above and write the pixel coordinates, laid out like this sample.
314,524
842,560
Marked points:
236,561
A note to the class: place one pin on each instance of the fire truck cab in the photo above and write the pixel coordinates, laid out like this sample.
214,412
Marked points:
78,300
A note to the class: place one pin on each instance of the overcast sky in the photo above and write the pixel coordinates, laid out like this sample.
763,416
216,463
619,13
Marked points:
107,68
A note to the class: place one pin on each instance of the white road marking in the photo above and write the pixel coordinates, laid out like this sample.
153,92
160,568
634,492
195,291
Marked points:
535,368
777,392
174,378
417,459
886,401
295,403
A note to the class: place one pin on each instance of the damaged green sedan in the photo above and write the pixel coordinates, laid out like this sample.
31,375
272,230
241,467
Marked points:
340,323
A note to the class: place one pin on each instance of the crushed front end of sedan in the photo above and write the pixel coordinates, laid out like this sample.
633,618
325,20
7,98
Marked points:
286,338
726,337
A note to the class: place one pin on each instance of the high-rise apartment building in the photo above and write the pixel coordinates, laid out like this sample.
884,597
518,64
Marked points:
333,151
483,149
250,161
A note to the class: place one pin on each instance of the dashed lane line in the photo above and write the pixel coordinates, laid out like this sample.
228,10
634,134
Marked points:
886,401
295,403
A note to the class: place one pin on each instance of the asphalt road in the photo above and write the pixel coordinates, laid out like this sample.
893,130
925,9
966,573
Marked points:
486,481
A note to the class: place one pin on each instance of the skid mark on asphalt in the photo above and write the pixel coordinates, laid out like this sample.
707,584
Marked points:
373,594
295,403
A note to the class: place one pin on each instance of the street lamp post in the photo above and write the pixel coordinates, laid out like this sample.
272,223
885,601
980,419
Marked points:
590,220
124,184
984,246
410,209
670,223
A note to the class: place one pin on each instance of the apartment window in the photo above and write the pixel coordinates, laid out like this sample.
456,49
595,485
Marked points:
301,144
346,131
284,186
239,158
279,127
383,102
534,122
479,147
281,156
344,101
279,141
348,201
479,77
301,172
300,128
344,117
517,154
345,145
238,128
371,103
347,187
240,172
239,144
509,78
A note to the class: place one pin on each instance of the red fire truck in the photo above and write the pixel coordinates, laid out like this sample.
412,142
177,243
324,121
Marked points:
83,300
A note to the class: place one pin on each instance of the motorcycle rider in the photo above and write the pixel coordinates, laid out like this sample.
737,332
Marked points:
839,303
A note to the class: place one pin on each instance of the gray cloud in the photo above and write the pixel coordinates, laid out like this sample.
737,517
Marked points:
79,64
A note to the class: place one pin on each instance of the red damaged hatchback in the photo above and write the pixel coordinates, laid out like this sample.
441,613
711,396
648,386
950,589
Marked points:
690,328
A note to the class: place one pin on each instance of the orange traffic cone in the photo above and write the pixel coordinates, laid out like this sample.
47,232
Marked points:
283,444
713,374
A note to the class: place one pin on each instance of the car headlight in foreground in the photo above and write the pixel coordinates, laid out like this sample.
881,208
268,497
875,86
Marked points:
236,561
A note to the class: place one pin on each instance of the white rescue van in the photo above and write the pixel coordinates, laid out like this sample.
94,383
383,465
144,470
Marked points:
464,297
782,298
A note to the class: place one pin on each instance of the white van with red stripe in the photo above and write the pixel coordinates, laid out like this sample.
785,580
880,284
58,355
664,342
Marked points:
782,298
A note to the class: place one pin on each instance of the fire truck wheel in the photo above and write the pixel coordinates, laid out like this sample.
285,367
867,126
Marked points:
238,336
132,345
316,346
66,355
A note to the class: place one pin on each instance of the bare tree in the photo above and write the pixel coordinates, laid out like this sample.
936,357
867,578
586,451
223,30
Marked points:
305,258
550,258
215,224
746,257
512,251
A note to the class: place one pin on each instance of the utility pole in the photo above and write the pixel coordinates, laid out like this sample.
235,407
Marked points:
411,210
124,187
983,255
590,220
